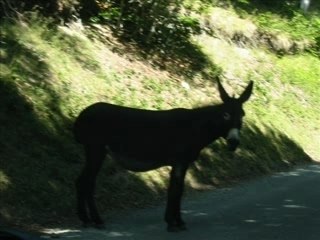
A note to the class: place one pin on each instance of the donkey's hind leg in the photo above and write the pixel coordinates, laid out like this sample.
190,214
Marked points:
95,157
81,199
86,185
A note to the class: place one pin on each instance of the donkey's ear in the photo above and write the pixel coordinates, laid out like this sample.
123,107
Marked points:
247,93
223,94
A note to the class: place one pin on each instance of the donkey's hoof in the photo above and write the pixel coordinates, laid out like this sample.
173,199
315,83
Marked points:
173,229
176,228
182,227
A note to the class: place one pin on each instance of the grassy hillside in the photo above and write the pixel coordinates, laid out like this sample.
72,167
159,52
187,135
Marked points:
49,73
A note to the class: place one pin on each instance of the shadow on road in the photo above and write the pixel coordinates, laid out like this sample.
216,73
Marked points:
281,206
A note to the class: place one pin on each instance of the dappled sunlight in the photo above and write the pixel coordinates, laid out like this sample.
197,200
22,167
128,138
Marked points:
268,208
59,231
34,137
288,207
194,213
4,181
164,39
84,233
156,180
230,26
298,172
118,234
293,206
280,216
250,221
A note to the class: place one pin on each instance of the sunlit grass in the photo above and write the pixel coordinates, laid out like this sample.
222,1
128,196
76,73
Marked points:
286,89
227,23
302,71
298,26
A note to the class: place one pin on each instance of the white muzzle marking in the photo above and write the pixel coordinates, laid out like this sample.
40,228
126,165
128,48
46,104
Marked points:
233,134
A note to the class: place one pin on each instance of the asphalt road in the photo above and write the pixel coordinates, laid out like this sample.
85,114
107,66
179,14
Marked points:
282,206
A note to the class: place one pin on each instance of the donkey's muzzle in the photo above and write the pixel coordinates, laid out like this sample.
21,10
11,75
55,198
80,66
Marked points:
233,139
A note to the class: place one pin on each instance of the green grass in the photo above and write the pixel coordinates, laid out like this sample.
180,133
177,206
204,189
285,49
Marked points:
281,27
298,26
48,75
302,71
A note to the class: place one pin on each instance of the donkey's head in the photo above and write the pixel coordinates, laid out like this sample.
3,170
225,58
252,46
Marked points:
232,114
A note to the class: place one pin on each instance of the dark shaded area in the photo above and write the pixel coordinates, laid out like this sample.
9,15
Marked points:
64,10
261,152
11,234
157,32
35,158
60,9
54,8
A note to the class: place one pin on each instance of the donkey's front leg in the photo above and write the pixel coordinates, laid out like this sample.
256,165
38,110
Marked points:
175,191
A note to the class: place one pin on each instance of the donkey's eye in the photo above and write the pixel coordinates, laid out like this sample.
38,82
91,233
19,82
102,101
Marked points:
226,116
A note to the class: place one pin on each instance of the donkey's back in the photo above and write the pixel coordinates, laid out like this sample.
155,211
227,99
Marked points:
104,122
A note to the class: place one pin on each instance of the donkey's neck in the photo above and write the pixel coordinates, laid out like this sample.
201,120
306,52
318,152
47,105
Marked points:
210,123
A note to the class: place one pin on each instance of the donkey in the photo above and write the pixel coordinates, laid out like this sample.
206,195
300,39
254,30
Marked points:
142,140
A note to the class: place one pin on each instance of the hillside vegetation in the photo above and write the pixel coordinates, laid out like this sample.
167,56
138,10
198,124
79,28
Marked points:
50,71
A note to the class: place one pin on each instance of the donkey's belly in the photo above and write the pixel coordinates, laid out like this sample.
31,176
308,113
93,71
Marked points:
138,164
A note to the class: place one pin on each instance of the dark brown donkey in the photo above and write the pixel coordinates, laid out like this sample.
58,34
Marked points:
142,140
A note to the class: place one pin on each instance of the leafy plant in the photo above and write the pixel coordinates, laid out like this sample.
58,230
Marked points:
152,24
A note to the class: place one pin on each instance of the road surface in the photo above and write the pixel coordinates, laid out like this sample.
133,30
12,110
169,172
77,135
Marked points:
282,206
